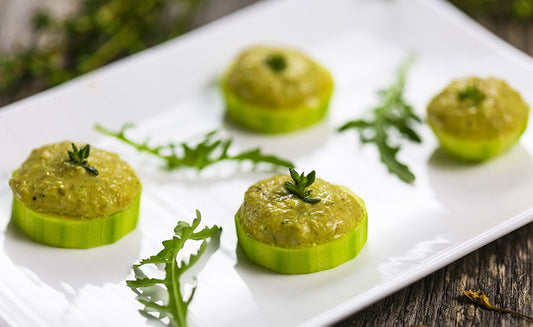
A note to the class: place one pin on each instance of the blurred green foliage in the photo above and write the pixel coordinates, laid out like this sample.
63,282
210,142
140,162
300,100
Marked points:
505,9
101,31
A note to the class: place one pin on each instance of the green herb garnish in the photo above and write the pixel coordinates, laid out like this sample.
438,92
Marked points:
508,11
276,62
301,182
211,150
471,92
79,157
392,113
97,33
173,305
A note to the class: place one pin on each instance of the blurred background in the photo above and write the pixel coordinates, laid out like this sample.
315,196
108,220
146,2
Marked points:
44,43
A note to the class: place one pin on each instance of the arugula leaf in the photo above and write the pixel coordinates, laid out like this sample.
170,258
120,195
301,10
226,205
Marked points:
210,151
162,298
392,113
301,182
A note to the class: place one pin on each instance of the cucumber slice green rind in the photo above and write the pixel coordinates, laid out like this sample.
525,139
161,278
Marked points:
477,150
271,121
65,232
309,259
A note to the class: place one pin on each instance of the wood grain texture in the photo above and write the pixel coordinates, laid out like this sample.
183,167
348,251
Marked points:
503,269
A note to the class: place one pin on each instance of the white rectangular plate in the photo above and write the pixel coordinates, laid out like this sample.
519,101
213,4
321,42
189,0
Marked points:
170,92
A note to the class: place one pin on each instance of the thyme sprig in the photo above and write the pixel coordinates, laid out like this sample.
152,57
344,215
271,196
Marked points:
276,62
80,158
174,305
300,185
209,151
473,93
392,113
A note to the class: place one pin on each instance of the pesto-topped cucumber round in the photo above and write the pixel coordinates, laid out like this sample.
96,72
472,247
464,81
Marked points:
276,90
69,195
476,119
281,231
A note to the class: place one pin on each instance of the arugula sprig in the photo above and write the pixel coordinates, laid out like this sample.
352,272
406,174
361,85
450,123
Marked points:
301,182
174,305
79,157
392,113
210,151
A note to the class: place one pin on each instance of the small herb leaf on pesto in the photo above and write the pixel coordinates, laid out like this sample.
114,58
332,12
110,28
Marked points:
276,62
392,113
210,150
172,305
471,92
80,158
301,182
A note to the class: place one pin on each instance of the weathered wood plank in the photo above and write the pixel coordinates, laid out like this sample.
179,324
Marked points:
503,269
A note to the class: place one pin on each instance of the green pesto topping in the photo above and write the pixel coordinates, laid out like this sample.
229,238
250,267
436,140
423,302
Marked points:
48,182
278,78
271,214
478,109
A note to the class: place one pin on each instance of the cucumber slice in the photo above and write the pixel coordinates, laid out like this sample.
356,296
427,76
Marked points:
66,232
269,121
308,259
476,119
477,150
275,90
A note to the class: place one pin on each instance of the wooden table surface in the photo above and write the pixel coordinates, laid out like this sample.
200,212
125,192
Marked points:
503,269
